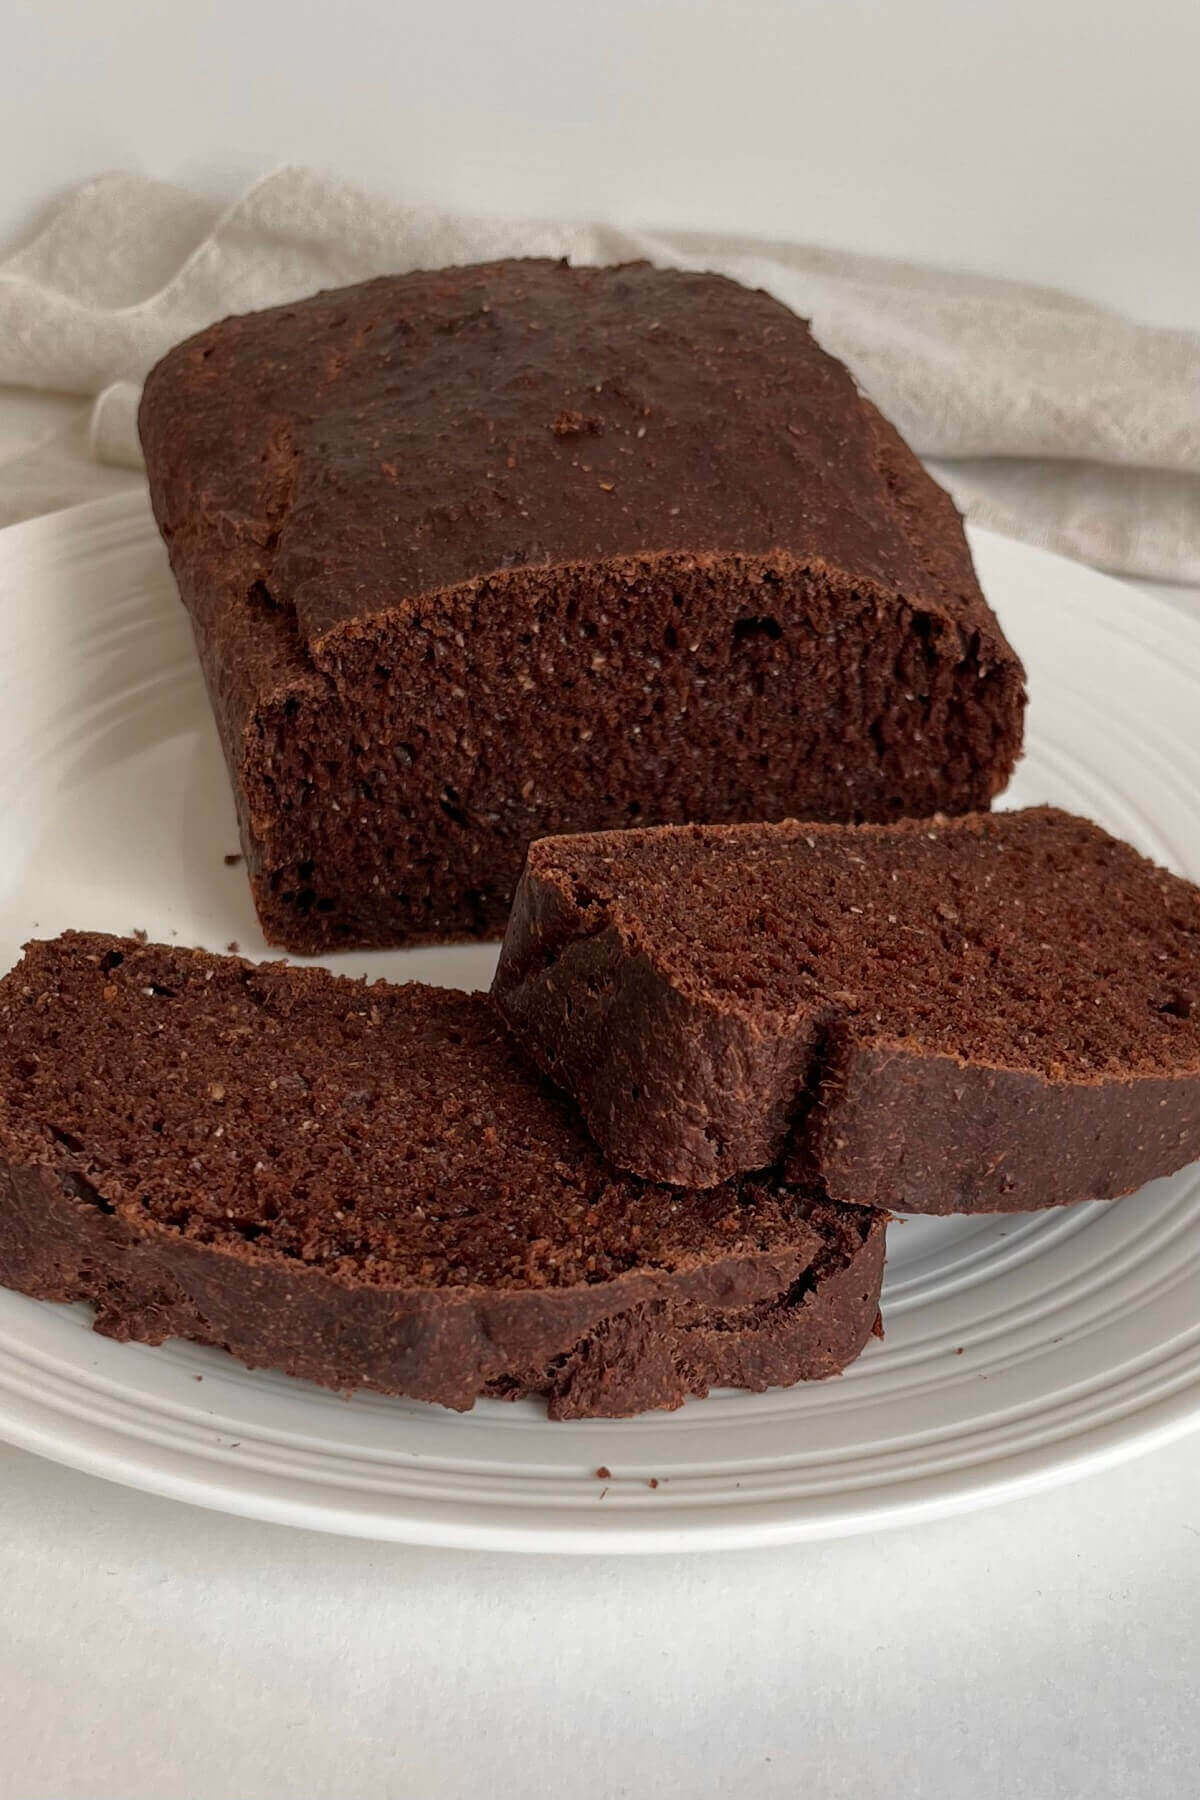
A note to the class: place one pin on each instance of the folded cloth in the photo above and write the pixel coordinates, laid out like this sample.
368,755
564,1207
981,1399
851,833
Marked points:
1047,417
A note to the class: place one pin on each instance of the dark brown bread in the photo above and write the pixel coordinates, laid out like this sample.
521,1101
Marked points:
366,1185
991,1013
478,555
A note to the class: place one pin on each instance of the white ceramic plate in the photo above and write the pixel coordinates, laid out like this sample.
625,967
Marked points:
1018,1352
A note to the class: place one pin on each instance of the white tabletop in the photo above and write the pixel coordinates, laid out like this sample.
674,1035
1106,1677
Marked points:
153,1651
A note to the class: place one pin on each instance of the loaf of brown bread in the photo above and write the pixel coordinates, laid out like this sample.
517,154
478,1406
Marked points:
990,1013
482,554
366,1185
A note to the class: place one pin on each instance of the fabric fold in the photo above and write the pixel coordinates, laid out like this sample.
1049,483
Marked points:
1050,418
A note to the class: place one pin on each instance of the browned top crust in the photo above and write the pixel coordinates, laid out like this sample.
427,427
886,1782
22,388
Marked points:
367,447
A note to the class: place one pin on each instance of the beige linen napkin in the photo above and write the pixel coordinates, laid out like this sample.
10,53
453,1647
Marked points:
1049,418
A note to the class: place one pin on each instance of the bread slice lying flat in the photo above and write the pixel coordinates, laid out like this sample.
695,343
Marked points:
990,1013
367,1185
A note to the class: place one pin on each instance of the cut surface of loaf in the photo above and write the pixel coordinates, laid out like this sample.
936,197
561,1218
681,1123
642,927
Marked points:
368,1186
988,1013
478,555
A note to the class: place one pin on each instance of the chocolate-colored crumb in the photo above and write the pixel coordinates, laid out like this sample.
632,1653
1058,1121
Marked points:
366,1185
988,1013
139,935
233,946
232,859
482,554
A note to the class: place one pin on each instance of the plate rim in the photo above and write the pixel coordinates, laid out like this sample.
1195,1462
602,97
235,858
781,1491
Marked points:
666,1525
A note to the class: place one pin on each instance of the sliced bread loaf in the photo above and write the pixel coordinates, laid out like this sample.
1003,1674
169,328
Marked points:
474,555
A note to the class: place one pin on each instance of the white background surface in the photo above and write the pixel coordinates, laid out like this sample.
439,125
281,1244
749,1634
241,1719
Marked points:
1050,139
1048,1649
1043,1652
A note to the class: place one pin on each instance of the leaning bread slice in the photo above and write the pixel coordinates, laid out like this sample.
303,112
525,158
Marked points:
366,1185
991,1013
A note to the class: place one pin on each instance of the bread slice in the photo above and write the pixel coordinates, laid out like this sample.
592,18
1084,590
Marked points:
476,555
990,1013
366,1185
